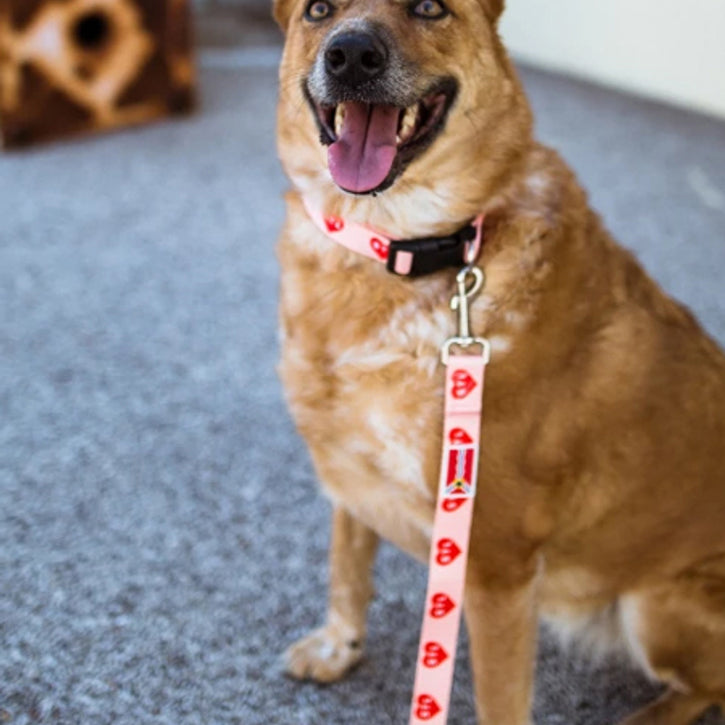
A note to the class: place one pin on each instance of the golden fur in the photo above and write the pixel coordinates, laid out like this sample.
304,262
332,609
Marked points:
602,481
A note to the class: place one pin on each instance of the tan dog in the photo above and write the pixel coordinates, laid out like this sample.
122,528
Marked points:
602,493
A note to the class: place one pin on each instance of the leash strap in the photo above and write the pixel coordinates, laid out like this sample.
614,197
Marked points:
409,258
465,377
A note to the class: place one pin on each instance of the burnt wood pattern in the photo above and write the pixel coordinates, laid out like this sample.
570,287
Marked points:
77,66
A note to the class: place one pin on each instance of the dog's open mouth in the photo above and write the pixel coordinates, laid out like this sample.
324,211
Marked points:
371,143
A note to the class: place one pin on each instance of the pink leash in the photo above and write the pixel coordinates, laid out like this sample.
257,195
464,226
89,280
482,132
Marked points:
465,377
465,374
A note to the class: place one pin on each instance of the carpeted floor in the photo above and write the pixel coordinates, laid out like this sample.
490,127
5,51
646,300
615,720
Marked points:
161,536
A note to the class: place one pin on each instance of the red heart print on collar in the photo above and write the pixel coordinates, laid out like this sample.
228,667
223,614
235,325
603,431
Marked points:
334,224
379,248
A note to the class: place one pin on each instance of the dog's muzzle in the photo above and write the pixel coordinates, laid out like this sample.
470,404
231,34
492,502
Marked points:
369,107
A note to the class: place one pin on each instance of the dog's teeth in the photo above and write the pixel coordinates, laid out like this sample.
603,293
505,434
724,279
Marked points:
339,118
409,124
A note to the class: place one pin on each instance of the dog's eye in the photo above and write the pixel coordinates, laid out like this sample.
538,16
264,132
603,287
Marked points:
429,10
318,10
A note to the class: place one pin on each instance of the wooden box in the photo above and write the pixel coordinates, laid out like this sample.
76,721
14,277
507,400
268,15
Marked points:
77,66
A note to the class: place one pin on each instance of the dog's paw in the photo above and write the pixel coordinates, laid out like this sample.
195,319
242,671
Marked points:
323,656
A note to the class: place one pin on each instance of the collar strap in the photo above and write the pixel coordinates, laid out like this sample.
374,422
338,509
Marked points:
406,258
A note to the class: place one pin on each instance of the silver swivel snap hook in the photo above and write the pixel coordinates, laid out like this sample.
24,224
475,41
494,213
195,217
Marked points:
469,283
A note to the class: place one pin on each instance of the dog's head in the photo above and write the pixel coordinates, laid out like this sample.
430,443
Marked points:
379,95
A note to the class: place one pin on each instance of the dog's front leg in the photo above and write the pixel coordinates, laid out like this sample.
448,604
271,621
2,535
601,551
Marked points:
501,620
328,653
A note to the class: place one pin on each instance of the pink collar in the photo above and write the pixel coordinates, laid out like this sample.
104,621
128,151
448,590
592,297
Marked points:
408,258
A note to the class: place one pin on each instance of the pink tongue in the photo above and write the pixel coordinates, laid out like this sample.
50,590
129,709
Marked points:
361,159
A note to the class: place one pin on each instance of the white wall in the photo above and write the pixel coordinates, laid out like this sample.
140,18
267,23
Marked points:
672,50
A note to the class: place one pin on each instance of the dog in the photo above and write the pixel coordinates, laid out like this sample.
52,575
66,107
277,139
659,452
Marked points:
601,500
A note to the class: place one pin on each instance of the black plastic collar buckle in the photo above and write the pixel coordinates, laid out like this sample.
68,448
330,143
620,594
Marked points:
433,253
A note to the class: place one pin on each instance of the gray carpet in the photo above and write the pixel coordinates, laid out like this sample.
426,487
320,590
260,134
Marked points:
161,537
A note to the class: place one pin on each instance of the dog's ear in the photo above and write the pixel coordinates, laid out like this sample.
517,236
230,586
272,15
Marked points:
282,11
493,8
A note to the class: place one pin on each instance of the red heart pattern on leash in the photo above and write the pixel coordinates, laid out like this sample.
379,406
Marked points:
448,552
459,437
334,224
463,384
434,655
379,248
450,540
428,708
443,605
451,505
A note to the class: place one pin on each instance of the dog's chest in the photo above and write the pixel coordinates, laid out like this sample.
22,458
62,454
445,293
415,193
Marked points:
362,373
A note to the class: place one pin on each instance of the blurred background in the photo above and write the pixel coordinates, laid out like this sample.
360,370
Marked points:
162,539
662,49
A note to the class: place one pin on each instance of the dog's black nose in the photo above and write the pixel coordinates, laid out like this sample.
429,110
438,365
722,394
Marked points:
354,58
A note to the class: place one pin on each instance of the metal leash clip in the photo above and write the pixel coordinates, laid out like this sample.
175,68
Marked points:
470,281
